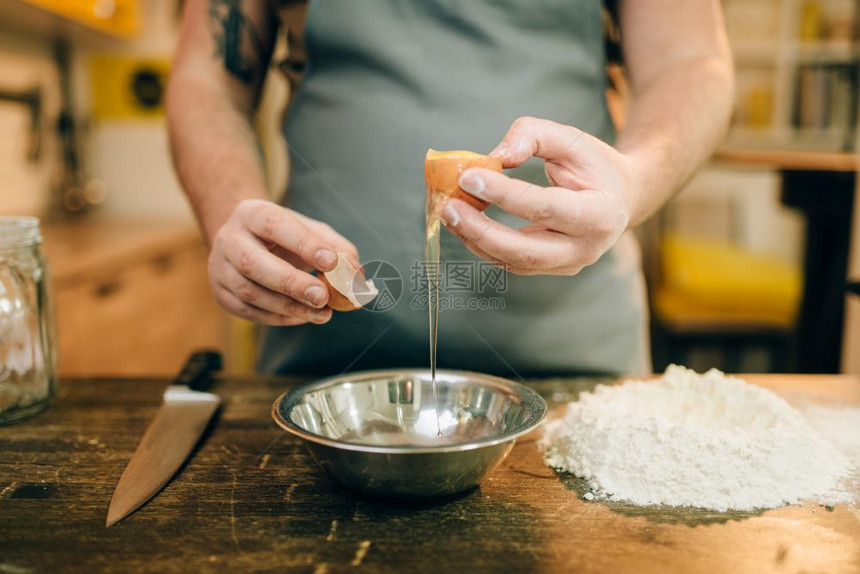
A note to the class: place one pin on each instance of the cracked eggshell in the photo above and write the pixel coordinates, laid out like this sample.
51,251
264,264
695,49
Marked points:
348,290
442,171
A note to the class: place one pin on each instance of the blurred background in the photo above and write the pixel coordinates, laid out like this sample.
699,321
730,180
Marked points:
750,268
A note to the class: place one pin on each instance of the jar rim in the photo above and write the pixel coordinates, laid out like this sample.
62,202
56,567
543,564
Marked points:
19,231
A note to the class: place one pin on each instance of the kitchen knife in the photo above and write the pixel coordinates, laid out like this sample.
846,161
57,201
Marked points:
181,419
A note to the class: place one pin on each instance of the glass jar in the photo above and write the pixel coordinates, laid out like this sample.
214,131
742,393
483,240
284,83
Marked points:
28,360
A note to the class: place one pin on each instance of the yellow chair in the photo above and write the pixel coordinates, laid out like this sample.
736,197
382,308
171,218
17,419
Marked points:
713,294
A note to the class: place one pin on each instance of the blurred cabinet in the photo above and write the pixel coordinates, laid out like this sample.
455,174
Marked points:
115,17
131,300
851,348
84,21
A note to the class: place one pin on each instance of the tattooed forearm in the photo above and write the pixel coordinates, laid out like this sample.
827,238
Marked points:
237,42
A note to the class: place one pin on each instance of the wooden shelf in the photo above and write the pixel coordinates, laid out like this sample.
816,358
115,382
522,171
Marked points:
784,69
789,139
790,160
755,53
824,52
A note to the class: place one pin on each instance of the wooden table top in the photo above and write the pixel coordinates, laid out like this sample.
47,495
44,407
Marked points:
252,499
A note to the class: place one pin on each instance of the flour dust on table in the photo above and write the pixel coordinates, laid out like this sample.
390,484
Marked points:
708,441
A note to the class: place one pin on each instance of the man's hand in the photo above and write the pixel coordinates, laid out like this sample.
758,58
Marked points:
260,261
681,82
575,221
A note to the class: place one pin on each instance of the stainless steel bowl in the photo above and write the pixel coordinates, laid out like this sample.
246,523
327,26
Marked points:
377,432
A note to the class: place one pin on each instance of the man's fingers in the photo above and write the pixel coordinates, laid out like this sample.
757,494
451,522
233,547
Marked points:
256,263
241,309
575,213
340,243
533,137
508,246
274,224
258,296
553,207
261,262
482,254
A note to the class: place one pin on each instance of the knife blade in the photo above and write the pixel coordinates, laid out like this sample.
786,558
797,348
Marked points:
183,416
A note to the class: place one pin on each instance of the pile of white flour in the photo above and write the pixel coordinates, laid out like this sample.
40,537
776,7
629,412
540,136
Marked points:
708,441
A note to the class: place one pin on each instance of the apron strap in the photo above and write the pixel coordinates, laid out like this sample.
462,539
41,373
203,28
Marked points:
293,13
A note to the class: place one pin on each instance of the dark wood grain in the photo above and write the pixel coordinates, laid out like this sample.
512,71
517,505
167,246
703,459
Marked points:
252,499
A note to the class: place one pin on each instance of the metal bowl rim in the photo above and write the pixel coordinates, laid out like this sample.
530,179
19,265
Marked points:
527,394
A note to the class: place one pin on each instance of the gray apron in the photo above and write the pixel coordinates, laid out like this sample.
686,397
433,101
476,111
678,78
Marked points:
385,80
